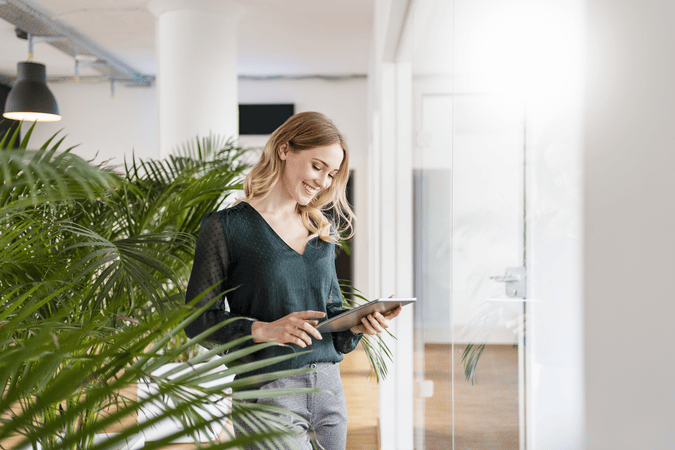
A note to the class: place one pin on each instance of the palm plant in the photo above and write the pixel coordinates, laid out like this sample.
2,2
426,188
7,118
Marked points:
91,270
375,347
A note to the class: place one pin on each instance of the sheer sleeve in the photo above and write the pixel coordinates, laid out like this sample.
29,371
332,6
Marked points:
209,269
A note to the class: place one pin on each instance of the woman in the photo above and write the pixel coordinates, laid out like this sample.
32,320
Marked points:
275,251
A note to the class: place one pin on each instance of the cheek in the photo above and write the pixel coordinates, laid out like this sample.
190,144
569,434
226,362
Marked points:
308,174
292,172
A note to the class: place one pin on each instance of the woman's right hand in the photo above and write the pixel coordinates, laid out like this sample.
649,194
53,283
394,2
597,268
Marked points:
295,328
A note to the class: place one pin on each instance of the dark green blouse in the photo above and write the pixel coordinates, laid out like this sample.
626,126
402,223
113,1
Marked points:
269,280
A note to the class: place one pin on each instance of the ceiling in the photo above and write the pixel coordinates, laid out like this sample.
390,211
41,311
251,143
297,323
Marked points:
274,37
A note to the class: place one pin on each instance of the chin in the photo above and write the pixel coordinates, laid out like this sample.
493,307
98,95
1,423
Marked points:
305,202
303,199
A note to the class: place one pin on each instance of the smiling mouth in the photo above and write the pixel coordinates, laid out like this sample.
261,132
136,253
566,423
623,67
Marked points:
309,189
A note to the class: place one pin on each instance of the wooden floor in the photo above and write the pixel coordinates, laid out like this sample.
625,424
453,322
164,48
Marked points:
361,391
363,396
485,414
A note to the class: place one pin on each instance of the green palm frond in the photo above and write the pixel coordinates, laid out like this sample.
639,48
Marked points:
107,268
93,266
176,192
23,255
33,178
65,370
375,347
477,332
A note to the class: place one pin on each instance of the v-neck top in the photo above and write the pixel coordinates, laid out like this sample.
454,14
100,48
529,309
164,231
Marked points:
275,234
264,279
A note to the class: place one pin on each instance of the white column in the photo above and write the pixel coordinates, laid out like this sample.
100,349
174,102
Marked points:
628,217
390,216
196,69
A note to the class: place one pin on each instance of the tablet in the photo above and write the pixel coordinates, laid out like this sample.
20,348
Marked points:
352,317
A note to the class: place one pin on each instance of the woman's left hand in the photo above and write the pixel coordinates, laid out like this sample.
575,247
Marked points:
376,322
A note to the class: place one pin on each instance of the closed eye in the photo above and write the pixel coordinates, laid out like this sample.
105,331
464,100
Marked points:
318,169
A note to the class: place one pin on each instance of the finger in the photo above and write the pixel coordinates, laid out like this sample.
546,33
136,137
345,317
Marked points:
301,338
300,323
302,335
293,335
309,328
310,314
393,313
375,324
368,328
312,322
305,337
382,320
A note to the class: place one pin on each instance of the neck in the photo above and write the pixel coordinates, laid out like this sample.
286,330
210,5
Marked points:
276,203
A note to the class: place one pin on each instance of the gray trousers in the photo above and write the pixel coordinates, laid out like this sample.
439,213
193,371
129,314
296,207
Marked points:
325,414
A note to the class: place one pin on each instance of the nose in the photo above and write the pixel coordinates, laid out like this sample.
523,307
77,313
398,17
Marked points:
324,181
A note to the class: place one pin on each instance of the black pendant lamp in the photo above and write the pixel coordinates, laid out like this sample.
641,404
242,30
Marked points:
30,99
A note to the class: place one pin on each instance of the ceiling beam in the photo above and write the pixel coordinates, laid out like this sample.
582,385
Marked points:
32,20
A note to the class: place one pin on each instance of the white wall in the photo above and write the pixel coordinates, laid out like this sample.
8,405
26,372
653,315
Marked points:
345,102
95,122
114,127
629,218
390,229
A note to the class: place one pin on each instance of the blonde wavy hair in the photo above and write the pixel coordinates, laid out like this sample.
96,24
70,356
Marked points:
305,131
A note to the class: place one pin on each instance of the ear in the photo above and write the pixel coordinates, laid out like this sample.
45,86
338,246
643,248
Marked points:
283,151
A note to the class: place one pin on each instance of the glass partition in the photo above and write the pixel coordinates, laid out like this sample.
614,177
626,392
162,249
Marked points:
496,183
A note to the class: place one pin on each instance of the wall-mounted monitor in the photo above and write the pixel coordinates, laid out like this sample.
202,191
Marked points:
262,119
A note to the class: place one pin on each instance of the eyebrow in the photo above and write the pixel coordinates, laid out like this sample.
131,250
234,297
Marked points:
326,165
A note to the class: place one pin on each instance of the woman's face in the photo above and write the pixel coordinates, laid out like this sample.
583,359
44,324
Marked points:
308,172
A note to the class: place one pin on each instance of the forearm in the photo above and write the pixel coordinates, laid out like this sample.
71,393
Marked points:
222,335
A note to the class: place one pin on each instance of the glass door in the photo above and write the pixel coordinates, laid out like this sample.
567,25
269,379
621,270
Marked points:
470,272
470,252
497,211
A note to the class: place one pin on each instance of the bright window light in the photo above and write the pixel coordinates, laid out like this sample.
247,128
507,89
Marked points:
529,48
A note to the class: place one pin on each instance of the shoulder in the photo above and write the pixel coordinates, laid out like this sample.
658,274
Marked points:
234,220
226,226
220,219
231,213
241,214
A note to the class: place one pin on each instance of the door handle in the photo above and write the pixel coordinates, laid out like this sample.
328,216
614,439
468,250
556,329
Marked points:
505,279
515,279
